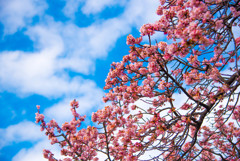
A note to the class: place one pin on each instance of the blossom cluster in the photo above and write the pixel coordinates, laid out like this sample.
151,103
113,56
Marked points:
189,90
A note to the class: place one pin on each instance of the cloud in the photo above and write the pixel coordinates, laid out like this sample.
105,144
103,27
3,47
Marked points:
30,73
102,37
90,98
36,152
15,14
95,6
36,73
18,133
45,36
59,48
89,6
62,47
94,41
235,30
139,12
136,12
71,8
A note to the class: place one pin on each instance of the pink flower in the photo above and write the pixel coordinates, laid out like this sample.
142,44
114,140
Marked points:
130,40
162,45
207,15
38,107
74,104
125,78
219,24
94,117
147,29
237,40
186,106
176,72
162,85
54,140
105,99
143,71
218,64
39,117
186,146
67,159
162,2
159,10
167,57
234,12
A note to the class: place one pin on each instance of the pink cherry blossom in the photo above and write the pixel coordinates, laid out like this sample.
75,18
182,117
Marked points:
178,100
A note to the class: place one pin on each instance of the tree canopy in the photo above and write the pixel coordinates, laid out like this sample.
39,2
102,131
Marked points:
174,100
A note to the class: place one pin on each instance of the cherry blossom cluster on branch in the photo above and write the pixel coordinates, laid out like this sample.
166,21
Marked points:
169,101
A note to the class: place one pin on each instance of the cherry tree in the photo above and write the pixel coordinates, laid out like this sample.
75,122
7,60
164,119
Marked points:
166,101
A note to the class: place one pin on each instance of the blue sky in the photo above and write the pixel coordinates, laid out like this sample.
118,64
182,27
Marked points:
52,51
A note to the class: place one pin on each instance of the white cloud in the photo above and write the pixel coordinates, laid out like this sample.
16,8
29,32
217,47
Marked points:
71,8
15,14
36,152
235,30
236,34
90,98
18,133
89,6
103,37
136,12
96,6
28,73
37,73
61,47
46,36
139,12
94,41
